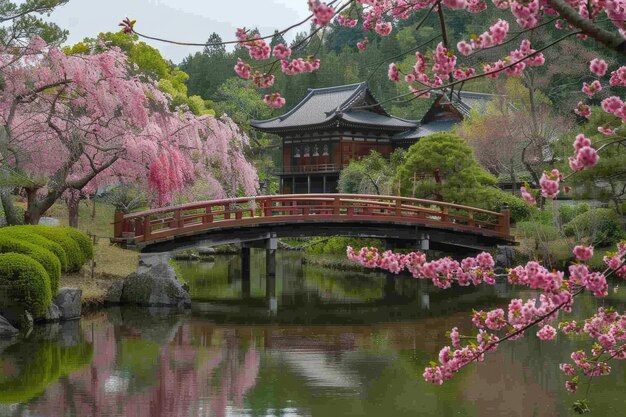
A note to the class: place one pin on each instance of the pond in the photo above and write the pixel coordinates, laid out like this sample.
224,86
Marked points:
333,343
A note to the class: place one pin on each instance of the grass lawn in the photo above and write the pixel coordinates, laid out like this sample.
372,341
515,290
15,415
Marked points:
112,262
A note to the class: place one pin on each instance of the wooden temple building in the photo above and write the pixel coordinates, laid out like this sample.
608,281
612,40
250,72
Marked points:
332,126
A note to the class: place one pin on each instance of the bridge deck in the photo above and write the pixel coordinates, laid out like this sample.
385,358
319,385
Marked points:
148,227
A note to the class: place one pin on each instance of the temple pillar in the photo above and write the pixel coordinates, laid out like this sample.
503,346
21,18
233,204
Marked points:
308,184
324,184
245,272
270,274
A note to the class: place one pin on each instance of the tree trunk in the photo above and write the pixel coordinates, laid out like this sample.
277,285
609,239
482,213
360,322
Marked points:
9,210
72,210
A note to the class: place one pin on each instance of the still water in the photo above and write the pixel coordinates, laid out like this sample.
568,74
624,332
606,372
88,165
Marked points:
335,344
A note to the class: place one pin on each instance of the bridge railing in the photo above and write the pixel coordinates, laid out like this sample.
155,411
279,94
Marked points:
166,222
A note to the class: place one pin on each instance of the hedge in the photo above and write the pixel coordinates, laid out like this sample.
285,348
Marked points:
22,234
600,226
23,281
75,257
83,241
47,259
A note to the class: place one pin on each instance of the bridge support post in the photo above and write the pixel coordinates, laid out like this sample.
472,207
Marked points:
245,271
270,274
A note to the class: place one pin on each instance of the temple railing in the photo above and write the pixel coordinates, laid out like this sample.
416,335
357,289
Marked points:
317,168
167,222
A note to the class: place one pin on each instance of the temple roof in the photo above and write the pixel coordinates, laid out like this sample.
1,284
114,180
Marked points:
444,114
347,105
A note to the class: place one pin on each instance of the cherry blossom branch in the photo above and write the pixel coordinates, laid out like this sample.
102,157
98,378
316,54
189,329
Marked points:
611,40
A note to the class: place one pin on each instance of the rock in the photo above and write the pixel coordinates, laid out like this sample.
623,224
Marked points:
49,221
156,287
52,315
114,294
6,329
186,256
18,318
206,251
69,301
505,258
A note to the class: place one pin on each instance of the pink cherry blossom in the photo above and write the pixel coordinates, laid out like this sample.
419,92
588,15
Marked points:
322,12
281,51
527,196
242,69
582,110
547,332
618,77
583,253
393,73
598,67
274,100
591,89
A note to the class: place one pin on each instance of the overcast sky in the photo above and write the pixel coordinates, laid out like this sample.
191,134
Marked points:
184,20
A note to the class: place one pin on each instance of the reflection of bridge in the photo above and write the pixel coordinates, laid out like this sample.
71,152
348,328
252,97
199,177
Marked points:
423,223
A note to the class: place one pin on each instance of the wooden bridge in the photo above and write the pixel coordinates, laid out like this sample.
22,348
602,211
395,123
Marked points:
240,220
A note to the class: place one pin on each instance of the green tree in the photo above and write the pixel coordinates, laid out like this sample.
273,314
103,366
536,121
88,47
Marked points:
21,21
214,46
442,167
372,174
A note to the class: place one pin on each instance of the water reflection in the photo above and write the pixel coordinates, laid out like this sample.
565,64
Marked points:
156,362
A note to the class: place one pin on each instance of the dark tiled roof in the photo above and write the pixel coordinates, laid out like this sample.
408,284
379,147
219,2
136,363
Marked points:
426,130
368,117
466,101
332,105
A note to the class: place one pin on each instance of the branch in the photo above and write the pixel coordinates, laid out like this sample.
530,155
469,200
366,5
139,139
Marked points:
611,40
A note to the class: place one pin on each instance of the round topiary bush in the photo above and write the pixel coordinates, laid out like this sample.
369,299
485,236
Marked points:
83,241
24,284
22,234
75,257
599,226
47,259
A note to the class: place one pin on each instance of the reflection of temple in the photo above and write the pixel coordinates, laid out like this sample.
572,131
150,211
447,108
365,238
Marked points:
332,126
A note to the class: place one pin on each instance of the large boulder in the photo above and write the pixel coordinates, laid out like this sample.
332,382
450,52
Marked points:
155,285
52,315
6,329
19,318
505,258
114,294
69,301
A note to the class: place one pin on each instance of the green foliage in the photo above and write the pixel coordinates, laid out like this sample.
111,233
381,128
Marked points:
494,199
442,166
23,234
47,259
83,241
75,256
371,174
24,284
598,226
567,212
537,230
338,245
20,21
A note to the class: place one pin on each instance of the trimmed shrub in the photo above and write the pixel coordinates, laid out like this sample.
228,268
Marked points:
567,212
47,259
537,230
22,234
24,283
75,257
599,226
83,241
494,199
